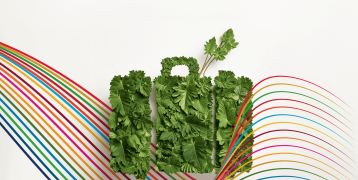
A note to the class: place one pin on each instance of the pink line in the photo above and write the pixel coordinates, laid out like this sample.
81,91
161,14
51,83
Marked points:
153,146
125,176
158,173
279,146
189,176
38,107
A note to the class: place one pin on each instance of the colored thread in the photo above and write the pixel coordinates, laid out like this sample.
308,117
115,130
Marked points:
33,126
44,128
279,168
28,147
38,140
27,155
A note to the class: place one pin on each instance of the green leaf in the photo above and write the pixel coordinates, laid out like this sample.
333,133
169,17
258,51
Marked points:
172,165
226,114
224,135
188,168
210,46
116,83
191,125
112,122
169,135
201,105
117,150
120,101
220,53
193,151
112,135
185,93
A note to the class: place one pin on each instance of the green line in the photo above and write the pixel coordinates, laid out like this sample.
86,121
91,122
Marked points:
55,80
244,114
280,169
32,142
164,171
18,110
251,104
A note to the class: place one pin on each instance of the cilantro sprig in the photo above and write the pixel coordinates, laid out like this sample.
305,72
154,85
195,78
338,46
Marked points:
218,53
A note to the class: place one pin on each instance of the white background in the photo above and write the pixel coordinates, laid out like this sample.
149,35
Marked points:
91,41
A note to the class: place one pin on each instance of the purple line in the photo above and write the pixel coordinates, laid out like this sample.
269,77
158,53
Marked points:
56,125
279,146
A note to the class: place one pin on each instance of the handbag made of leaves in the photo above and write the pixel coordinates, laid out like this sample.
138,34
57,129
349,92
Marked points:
229,93
130,124
184,119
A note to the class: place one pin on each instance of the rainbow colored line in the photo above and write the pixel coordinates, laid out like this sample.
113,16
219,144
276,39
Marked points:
58,115
44,98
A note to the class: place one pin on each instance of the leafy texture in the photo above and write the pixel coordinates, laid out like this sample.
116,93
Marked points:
183,124
218,53
230,92
130,124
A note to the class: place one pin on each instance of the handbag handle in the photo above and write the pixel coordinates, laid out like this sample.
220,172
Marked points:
169,63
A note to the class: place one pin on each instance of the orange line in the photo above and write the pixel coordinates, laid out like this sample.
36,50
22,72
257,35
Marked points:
227,177
61,123
57,76
180,176
42,126
284,161
150,174
227,167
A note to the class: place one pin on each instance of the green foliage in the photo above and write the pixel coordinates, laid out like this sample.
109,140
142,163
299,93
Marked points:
229,92
130,124
218,52
183,123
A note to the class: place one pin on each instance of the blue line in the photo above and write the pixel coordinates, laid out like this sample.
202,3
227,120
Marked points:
28,147
37,139
33,162
148,178
283,176
273,116
94,127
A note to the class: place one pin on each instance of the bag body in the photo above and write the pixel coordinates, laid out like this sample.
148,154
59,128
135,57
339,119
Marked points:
229,93
184,119
130,124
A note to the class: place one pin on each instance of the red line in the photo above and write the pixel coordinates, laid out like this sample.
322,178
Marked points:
57,85
60,74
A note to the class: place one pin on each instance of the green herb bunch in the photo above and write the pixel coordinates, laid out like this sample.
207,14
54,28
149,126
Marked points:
130,124
213,51
230,92
183,123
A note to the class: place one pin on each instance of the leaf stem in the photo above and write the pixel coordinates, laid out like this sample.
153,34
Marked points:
204,64
208,65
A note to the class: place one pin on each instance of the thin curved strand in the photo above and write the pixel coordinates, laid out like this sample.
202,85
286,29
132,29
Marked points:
43,112
235,145
48,125
28,147
49,103
27,155
38,73
279,123
237,157
270,177
48,68
39,132
284,153
49,88
38,140
273,169
287,146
